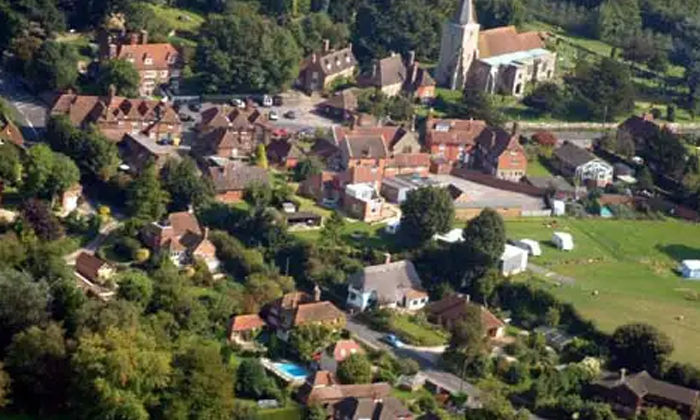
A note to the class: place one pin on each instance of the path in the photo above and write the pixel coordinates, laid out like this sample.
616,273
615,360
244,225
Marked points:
95,243
549,274
29,110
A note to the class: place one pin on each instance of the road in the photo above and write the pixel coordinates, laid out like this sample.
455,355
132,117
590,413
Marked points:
29,110
428,361
551,275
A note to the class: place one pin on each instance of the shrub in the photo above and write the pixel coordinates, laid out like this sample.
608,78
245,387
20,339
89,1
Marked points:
126,247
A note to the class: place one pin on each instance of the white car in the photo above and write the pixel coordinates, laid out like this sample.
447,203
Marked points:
267,101
272,116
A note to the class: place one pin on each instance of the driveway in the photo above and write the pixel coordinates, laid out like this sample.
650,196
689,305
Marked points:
29,110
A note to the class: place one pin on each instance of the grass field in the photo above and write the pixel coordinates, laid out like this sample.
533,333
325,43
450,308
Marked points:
178,19
631,264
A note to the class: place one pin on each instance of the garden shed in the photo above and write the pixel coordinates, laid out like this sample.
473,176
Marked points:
563,241
513,260
531,246
690,269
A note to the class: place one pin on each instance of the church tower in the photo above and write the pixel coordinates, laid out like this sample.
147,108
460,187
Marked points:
459,47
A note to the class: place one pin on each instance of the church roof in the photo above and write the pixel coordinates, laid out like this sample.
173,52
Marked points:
465,13
506,40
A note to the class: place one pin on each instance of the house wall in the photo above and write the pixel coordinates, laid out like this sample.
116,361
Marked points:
416,304
366,211
511,165
452,152
421,171
358,299
392,90
470,213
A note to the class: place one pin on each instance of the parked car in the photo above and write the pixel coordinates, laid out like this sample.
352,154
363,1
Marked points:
238,103
393,341
195,107
185,117
272,116
267,101
277,100
291,115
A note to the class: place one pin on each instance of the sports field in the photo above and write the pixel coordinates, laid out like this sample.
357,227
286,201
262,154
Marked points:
632,266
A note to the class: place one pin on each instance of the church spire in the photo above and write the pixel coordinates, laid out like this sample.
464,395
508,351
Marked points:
465,13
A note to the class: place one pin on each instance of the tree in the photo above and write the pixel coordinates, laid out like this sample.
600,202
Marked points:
23,303
644,179
484,242
425,212
4,386
547,97
146,199
10,165
261,156
201,387
53,67
120,74
619,20
310,31
243,51
37,360
355,369
49,173
478,105
37,215
468,334
307,340
135,286
252,381
307,167
316,412
639,347
497,13
655,413
332,231
258,195
186,186
118,373
603,90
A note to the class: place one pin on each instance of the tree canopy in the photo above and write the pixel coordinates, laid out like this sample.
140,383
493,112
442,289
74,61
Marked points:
639,347
425,212
355,369
120,74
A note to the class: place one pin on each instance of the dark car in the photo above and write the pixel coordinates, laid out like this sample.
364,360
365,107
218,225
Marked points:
277,100
185,117
290,115
195,107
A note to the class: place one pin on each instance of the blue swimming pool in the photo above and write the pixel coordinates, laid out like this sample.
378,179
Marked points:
295,371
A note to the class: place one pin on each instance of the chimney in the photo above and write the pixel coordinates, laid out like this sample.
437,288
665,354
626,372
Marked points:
387,258
326,45
144,36
411,57
133,39
111,93
205,233
314,57
413,123
515,129
317,293
623,375
353,121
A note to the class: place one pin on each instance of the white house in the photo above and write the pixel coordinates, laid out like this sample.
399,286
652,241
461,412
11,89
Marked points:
690,269
387,285
451,237
582,165
563,241
531,246
513,260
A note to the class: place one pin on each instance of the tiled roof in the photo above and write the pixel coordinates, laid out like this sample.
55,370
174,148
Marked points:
545,138
344,348
390,71
410,160
231,117
82,109
641,127
317,312
573,155
88,266
453,308
365,146
498,142
161,56
236,176
179,232
323,389
246,322
389,281
389,408
642,384
331,62
345,100
390,134
220,137
10,132
463,132
279,150
505,40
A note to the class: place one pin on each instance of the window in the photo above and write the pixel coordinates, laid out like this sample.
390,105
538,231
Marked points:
148,61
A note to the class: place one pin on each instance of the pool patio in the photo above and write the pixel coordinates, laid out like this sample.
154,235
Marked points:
289,372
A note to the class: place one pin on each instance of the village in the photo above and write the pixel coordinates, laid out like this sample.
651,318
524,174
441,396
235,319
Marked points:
350,247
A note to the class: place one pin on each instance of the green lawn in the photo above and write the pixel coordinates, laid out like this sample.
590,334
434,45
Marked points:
420,333
291,412
631,264
535,167
178,19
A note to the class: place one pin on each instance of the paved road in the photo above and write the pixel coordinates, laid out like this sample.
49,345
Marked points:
426,359
30,111
551,275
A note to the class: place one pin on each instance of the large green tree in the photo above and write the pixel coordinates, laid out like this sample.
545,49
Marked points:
311,30
355,369
497,13
135,286
619,20
245,52
484,242
602,90
639,347
48,173
54,66
146,198
184,183
252,381
122,75
425,212
23,303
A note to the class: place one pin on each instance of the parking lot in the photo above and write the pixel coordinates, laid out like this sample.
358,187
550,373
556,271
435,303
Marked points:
30,111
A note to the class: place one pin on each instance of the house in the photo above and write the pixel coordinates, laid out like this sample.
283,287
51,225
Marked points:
558,187
71,198
473,144
10,133
642,129
116,116
386,285
284,153
531,246
397,140
231,131
582,166
358,401
498,60
231,178
563,241
362,202
338,352
180,237
322,68
690,269
224,143
244,328
93,269
341,106
157,64
513,260
453,308
393,76
138,151
303,218
297,309
630,394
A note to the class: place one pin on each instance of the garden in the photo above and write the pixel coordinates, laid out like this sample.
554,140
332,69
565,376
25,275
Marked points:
624,272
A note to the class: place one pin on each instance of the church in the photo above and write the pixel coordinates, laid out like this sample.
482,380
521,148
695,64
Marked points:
498,60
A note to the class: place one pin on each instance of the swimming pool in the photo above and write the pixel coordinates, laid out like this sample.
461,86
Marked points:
295,371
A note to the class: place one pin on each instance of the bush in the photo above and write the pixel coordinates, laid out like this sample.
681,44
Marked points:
126,247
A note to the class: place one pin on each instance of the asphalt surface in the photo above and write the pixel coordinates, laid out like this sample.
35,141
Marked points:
30,111
426,360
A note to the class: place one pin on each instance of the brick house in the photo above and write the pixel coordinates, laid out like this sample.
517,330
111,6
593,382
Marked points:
298,308
284,153
93,269
502,155
224,143
9,132
244,328
157,64
182,239
116,116
452,309
230,179
231,132
322,68
582,166
393,76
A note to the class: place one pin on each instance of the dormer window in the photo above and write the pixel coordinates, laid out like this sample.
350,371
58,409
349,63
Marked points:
148,61
347,58
442,127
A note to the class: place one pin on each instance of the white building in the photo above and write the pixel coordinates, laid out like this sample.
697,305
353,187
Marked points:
531,246
387,285
690,269
513,260
563,241
583,166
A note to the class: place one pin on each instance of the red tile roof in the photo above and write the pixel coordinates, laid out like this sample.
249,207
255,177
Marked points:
344,348
505,40
10,132
410,160
162,56
462,132
88,266
246,322
317,312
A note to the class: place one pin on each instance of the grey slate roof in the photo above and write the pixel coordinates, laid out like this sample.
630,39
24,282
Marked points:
371,146
643,384
236,177
389,281
391,71
573,154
